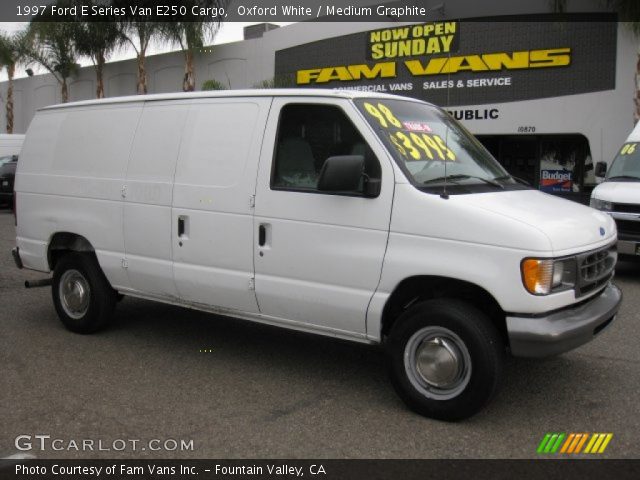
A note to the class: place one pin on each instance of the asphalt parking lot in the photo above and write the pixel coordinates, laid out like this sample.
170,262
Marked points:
259,392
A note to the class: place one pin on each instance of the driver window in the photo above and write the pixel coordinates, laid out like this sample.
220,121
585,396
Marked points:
307,136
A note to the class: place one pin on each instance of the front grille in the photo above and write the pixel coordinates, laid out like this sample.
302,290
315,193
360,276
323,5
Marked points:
628,227
626,208
595,269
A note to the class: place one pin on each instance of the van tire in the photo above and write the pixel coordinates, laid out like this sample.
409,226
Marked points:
82,295
470,354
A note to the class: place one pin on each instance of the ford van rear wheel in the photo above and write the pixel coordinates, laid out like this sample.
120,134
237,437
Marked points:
82,295
445,359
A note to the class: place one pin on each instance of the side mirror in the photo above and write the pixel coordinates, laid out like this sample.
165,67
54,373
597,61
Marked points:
372,187
341,174
601,169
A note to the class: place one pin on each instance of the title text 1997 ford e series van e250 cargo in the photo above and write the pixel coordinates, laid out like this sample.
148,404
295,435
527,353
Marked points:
366,217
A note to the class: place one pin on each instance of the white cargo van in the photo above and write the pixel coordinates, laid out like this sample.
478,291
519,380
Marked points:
366,217
619,194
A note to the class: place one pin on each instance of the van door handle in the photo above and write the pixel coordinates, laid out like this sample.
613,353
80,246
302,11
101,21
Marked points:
182,226
262,235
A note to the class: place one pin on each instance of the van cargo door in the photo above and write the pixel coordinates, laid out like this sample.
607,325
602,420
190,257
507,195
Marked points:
147,198
212,217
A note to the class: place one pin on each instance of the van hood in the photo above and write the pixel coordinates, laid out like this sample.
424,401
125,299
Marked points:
618,192
568,225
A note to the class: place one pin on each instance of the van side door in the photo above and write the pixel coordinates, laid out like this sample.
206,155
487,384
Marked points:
318,254
212,214
147,198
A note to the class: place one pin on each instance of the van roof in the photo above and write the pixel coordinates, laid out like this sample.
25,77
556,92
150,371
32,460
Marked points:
634,136
279,92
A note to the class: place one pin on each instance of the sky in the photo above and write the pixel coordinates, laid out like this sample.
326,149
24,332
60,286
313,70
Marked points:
229,32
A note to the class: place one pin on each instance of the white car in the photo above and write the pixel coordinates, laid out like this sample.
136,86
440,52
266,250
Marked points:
367,217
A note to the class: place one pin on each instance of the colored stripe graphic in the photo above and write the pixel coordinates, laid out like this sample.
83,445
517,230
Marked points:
550,443
573,443
543,443
598,442
581,443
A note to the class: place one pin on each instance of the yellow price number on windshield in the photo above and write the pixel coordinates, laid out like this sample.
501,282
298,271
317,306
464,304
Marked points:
411,145
424,146
628,148
383,114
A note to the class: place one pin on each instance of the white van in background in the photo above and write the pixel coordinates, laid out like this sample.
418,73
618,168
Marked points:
367,217
619,193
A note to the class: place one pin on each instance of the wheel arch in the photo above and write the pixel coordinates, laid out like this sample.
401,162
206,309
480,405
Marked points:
62,242
425,287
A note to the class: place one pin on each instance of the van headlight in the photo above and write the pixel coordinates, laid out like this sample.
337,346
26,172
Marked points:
600,204
542,276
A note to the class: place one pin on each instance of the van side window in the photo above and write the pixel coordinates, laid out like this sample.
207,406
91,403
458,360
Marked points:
307,136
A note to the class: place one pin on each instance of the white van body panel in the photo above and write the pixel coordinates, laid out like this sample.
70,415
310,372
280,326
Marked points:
148,193
618,192
70,180
426,236
569,226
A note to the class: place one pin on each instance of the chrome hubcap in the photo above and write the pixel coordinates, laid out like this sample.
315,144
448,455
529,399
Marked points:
437,363
74,293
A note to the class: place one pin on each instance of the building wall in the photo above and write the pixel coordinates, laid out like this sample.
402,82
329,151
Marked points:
239,64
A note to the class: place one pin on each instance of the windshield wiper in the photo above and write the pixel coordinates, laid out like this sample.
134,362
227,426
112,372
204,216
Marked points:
627,177
462,176
512,177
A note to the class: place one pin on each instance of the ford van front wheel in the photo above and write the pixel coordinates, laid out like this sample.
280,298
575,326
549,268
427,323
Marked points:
82,295
445,359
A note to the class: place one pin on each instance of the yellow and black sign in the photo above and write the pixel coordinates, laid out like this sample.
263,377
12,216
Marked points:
463,62
412,40
555,57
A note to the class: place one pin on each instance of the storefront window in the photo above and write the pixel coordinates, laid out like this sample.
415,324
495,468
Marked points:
557,164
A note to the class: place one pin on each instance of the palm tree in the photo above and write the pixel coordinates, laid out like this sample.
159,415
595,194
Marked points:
53,47
191,36
97,40
12,53
138,35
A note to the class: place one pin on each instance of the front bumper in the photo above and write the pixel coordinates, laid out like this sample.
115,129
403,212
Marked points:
563,330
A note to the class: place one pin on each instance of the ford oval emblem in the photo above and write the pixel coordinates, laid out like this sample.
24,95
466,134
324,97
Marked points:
601,232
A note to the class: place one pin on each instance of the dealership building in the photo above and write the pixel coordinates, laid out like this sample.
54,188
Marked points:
548,97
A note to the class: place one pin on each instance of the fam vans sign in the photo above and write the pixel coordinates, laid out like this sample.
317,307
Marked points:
463,62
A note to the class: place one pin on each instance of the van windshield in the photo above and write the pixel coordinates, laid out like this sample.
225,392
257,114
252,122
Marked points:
626,165
424,139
